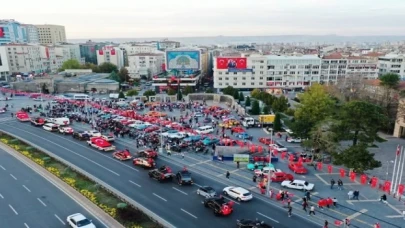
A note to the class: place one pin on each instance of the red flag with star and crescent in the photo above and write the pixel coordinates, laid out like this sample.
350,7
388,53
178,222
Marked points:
398,150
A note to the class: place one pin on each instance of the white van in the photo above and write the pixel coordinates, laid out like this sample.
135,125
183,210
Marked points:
80,97
50,127
205,130
59,121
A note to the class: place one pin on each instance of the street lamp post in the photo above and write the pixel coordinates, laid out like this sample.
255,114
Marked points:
269,173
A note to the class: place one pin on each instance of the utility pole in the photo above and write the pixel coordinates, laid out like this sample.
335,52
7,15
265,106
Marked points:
269,173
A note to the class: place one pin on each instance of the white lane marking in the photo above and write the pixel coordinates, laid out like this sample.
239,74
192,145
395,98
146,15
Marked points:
27,188
188,213
25,224
268,217
357,214
60,220
88,159
2,167
12,208
1,196
41,202
159,197
15,178
197,185
135,183
180,191
231,199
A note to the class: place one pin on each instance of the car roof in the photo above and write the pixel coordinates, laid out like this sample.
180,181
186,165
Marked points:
240,190
207,188
78,217
299,181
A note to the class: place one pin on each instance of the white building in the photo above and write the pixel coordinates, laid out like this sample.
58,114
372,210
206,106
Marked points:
73,51
132,49
392,63
145,64
51,34
4,69
32,33
112,55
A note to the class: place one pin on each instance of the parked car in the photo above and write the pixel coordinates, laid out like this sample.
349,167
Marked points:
298,184
206,191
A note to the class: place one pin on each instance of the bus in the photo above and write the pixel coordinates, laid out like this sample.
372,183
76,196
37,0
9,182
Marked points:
81,97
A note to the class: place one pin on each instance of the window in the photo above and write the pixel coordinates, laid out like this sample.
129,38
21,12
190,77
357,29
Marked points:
261,67
220,78
253,67
235,78
226,72
227,84
307,67
260,83
243,72
261,72
243,78
235,83
252,78
226,78
285,72
261,78
220,84
220,72
243,83
252,83
235,72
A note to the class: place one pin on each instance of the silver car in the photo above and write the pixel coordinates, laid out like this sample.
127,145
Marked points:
206,191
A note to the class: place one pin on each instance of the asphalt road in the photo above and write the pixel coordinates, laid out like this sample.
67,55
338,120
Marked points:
29,200
180,205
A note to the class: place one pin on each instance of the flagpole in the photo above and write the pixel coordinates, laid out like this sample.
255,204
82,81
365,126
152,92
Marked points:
402,171
393,171
397,175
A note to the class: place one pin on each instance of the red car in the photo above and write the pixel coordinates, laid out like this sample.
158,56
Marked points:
238,130
144,162
148,153
297,168
266,141
122,155
281,176
151,129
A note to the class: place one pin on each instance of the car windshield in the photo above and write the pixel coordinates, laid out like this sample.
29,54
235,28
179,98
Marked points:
83,222
246,194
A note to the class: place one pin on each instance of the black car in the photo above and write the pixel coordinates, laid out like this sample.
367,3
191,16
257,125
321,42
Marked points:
184,177
219,205
249,223
161,174
81,135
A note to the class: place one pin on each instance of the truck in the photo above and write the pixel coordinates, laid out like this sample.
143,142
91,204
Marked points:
63,121
250,122
267,120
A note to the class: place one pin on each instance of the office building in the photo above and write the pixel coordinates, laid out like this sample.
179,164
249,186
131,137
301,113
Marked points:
51,34
11,31
32,33
110,54
88,51
4,69
392,63
23,58
145,64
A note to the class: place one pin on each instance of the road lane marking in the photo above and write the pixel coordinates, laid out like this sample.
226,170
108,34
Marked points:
27,188
197,185
188,213
357,214
60,220
394,216
25,224
41,202
2,167
15,178
180,191
12,208
300,199
268,217
1,196
135,183
88,159
159,197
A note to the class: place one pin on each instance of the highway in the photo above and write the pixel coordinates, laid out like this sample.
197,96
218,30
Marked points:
29,200
180,205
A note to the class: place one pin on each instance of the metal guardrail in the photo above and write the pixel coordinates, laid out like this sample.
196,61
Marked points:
106,186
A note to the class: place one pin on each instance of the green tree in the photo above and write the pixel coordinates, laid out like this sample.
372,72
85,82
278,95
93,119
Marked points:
388,99
321,139
277,122
187,90
228,90
235,95
179,95
114,76
171,92
132,93
149,93
241,97
107,68
256,93
209,90
91,66
137,81
121,95
280,104
247,102
123,74
359,122
266,110
255,108
390,80
357,157
71,64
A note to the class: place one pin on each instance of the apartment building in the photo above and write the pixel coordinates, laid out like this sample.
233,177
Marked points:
11,31
23,58
51,34
392,63
145,64
167,44
73,51
4,69
112,55
32,33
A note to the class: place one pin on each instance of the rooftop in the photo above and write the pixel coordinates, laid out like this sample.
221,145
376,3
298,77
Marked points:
335,55
147,54
295,57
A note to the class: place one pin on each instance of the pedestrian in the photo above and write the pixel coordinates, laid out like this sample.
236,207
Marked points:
347,222
227,174
332,182
312,210
182,155
334,201
308,195
329,202
304,206
288,202
237,164
289,211
326,224
254,178
282,195
340,184
356,194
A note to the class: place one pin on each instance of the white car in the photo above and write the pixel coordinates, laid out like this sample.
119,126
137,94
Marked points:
94,133
2,111
50,127
178,135
294,140
298,184
108,138
279,147
198,114
78,220
288,131
238,193
135,124
66,130
265,171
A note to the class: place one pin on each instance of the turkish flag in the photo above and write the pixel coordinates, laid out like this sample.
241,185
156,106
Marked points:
330,169
387,186
300,161
401,189
252,148
260,149
363,179
1,33
113,52
283,154
320,165
352,175
100,52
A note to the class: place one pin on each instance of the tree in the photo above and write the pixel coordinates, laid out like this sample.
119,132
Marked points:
228,90
132,93
137,81
256,93
179,95
44,88
255,108
247,102
121,95
107,68
209,90
277,122
187,90
321,139
390,80
71,64
91,66
357,158
359,122
388,99
266,110
149,93
280,104
114,76
235,95
171,92
123,74
241,97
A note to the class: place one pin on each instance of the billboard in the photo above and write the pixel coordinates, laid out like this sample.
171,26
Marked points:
1,32
183,60
235,64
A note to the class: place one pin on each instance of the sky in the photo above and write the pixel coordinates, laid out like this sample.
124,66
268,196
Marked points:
86,19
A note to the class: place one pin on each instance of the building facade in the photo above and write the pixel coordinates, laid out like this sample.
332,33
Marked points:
4,69
392,63
51,34
11,31
132,49
110,54
73,51
32,33
167,44
145,64
88,51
